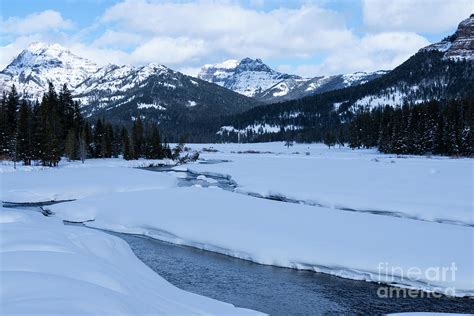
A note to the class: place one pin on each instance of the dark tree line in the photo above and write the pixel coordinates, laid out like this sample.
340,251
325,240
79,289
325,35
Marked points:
443,128
48,130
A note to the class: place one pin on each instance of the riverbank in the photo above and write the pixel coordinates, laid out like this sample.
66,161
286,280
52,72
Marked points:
49,268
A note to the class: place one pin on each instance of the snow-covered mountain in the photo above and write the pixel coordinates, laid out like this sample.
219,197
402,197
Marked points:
153,90
291,90
31,70
253,78
460,45
250,77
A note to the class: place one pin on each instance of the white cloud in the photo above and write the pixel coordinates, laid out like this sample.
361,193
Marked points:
117,39
371,52
425,16
35,23
229,30
169,50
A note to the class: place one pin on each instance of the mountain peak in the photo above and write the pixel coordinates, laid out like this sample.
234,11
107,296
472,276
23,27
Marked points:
459,45
248,76
40,47
249,64
41,63
227,64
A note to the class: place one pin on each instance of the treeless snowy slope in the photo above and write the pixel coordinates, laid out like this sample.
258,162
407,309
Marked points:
437,189
51,269
76,181
347,244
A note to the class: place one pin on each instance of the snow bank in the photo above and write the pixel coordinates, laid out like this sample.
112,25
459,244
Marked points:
438,189
8,166
347,244
54,184
48,268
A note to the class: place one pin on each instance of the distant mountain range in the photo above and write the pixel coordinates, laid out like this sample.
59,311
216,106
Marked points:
231,96
253,78
120,93
440,71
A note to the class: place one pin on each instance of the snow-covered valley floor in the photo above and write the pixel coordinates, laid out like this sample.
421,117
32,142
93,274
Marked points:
405,213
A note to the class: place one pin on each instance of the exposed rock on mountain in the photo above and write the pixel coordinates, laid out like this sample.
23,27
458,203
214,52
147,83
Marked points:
253,78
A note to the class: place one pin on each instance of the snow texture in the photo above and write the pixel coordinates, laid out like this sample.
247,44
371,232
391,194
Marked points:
432,189
50,269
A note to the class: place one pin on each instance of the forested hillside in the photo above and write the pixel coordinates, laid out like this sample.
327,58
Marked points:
425,76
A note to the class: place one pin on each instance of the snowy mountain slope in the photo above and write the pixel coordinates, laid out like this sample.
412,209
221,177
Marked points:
120,93
155,92
249,77
457,47
255,79
31,70
460,45
285,91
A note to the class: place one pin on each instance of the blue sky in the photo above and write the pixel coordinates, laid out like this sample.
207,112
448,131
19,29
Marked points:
304,37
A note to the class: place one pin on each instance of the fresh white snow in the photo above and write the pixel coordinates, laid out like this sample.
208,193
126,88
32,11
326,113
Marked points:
74,181
432,189
48,268
150,106
347,244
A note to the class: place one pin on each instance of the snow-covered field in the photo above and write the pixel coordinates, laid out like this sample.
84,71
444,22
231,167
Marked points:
51,269
433,189
77,181
316,231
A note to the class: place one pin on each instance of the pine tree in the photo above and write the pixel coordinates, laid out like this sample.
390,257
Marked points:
385,130
88,138
127,155
467,142
137,138
35,132
23,143
11,115
99,139
66,110
109,137
329,139
430,118
355,130
452,130
154,146
51,129
4,140
71,145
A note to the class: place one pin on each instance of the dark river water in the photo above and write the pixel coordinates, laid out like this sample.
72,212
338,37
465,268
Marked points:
273,290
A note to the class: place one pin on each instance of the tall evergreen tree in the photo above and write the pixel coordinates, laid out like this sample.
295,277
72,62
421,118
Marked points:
23,135
51,128
127,154
72,146
154,149
4,126
137,138
11,116
99,139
